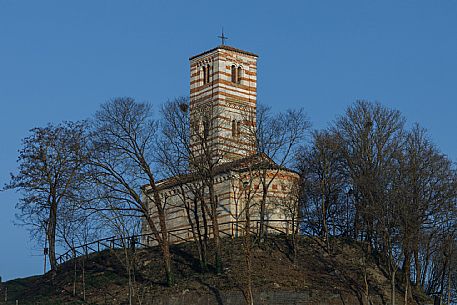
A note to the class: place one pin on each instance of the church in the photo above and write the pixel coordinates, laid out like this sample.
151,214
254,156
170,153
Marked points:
223,91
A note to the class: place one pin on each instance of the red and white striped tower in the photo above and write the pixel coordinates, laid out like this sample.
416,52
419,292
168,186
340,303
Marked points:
223,90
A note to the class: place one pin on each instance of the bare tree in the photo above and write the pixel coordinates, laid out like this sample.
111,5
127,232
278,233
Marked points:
123,140
427,190
126,229
371,138
188,150
390,234
244,182
439,265
175,154
324,180
204,160
277,136
402,188
50,163
292,207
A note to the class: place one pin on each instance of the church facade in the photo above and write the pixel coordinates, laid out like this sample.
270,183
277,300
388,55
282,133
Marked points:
223,91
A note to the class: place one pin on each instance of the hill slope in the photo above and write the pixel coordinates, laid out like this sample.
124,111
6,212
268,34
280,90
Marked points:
312,277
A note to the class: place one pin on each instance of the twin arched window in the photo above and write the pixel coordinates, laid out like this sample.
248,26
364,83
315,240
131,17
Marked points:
206,73
236,74
236,128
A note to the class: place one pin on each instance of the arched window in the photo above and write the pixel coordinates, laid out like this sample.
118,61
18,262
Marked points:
233,128
238,76
204,75
233,73
238,128
208,73
206,127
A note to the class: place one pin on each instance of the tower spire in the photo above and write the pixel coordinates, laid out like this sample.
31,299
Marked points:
222,37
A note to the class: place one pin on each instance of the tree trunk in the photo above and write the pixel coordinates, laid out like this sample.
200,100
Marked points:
324,215
356,223
406,291
367,287
263,202
129,273
443,276
205,234
162,240
75,269
165,245
392,287
295,235
195,228
84,277
217,240
417,264
167,257
427,261
51,234
198,239
249,298
407,265
449,286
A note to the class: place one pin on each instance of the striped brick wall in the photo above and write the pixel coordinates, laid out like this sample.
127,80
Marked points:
231,198
229,106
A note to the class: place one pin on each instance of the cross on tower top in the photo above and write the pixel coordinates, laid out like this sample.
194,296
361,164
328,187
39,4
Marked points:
222,37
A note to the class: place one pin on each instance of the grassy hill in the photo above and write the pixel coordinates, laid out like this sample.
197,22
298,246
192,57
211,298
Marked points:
313,276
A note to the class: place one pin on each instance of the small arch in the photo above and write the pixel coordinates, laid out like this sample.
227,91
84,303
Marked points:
233,128
208,73
238,128
204,74
239,75
233,74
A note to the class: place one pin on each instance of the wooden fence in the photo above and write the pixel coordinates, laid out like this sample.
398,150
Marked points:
231,229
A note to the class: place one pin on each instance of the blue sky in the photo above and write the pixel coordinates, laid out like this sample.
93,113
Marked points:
60,59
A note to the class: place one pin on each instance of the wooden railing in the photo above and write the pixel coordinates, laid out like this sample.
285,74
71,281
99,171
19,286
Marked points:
235,229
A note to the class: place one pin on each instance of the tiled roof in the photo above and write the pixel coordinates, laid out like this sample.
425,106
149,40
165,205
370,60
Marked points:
254,162
225,47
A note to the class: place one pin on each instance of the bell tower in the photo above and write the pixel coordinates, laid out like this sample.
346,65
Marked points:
223,90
